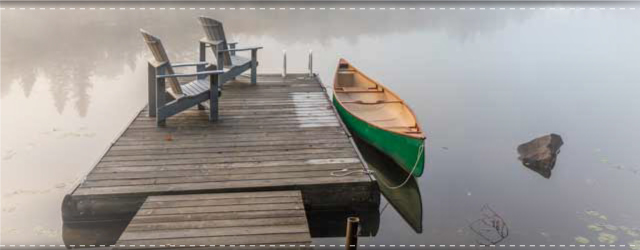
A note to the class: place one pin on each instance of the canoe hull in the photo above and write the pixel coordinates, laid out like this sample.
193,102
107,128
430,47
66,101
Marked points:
404,150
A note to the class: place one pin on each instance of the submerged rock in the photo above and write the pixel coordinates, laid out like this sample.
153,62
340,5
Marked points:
540,154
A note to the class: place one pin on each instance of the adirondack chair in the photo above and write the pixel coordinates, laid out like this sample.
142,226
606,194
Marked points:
164,102
225,52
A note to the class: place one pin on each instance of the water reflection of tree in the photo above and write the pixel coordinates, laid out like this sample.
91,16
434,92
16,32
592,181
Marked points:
70,47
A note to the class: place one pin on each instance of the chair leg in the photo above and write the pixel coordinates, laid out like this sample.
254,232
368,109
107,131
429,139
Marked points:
213,98
161,118
254,66
160,102
254,75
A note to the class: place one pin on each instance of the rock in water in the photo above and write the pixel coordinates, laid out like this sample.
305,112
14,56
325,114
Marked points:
540,154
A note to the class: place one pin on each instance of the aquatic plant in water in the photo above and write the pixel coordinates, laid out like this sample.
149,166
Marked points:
594,227
631,232
581,240
611,227
635,245
596,214
607,238
607,233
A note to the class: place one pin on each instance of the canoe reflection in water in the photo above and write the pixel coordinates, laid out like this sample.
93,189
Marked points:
406,198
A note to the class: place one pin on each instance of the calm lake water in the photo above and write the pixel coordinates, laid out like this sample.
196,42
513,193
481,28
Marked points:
480,82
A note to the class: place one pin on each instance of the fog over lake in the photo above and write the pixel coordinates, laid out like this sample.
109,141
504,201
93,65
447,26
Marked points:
481,82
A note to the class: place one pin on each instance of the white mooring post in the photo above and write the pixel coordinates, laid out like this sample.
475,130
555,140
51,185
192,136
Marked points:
284,63
310,63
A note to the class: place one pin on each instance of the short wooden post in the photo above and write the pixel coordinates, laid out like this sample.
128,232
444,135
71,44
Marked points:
152,90
352,233
284,63
254,66
213,97
310,62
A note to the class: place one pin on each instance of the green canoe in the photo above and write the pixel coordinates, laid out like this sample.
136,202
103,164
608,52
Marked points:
379,117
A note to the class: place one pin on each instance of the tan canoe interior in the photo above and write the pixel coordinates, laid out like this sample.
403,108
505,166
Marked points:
373,103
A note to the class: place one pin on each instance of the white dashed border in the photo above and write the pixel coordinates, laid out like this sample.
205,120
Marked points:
332,8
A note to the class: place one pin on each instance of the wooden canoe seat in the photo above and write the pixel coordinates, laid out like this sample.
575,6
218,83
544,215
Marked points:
346,71
358,90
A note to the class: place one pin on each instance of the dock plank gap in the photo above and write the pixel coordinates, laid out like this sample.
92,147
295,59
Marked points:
279,134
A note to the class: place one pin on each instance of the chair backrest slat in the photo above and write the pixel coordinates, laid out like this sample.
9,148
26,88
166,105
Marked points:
215,32
160,55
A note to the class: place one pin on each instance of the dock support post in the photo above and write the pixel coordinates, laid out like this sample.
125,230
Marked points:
284,63
352,233
310,63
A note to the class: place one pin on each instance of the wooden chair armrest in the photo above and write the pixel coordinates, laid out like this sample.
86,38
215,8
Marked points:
157,64
210,72
211,42
240,49
188,64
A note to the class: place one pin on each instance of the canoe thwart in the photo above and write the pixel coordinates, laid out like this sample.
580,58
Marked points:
372,102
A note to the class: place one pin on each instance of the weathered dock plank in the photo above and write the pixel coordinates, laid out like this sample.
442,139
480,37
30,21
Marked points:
218,221
279,134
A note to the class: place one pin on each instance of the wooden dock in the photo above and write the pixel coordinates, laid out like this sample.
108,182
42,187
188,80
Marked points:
234,220
280,134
